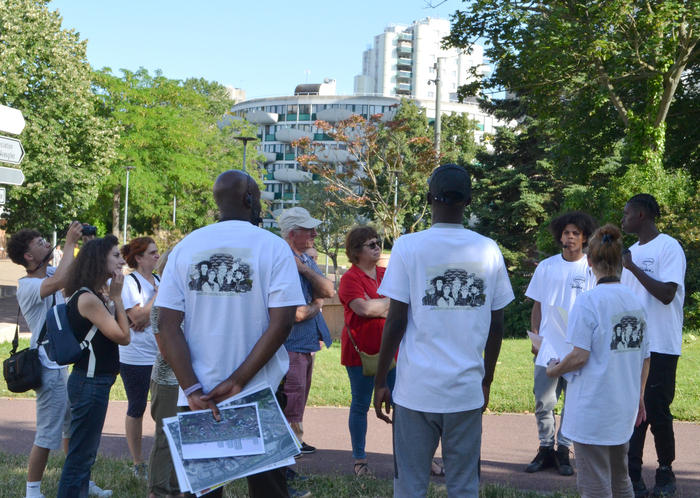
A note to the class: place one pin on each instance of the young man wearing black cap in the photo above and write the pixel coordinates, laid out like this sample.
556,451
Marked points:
655,271
443,376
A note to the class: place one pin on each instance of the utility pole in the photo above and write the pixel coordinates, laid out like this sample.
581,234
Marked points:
126,200
438,104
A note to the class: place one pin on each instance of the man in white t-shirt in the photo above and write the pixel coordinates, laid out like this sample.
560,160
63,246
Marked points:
231,337
654,268
442,380
37,293
557,282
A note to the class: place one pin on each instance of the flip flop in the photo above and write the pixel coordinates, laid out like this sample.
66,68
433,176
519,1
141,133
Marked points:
437,474
362,470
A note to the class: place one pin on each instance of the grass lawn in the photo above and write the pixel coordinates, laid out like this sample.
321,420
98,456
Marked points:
511,391
115,474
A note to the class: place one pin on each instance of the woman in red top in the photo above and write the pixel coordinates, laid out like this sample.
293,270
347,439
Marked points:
365,311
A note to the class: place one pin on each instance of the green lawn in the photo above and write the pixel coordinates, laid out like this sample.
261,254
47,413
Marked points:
511,391
115,474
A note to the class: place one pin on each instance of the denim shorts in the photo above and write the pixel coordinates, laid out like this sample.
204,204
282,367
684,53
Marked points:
52,409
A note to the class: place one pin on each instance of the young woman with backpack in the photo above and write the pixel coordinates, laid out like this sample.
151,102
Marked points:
97,262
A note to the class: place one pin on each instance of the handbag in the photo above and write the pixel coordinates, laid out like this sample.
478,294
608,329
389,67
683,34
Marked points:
22,370
370,362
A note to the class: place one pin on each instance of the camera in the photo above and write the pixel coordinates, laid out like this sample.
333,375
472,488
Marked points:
89,230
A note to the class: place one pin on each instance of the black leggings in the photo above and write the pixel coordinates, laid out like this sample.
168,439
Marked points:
137,380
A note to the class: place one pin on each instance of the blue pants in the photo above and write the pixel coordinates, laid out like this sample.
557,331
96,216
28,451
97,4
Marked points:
88,398
362,388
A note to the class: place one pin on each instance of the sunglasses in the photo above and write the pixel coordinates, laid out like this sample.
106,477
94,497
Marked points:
373,245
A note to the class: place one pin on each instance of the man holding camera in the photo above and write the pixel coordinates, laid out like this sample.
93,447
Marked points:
37,292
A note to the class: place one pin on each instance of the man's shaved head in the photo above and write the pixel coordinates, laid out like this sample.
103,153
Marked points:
230,194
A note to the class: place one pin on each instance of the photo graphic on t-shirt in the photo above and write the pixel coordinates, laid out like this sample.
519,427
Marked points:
221,271
454,287
628,331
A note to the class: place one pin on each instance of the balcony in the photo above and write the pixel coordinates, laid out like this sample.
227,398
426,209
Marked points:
404,62
404,50
289,175
259,117
270,137
269,176
335,156
270,157
289,135
404,75
227,120
334,115
406,36
267,196
403,89
322,137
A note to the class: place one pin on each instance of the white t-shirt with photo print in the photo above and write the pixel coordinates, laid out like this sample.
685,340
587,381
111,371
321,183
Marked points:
558,282
602,398
662,259
451,278
223,321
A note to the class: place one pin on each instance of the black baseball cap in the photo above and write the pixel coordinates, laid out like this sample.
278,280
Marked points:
450,183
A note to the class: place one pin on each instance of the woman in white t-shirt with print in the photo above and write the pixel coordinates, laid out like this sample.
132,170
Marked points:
137,359
605,397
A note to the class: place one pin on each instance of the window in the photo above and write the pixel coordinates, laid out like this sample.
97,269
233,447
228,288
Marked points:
454,73
432,58
431,94
437,33
454,86
292,109
305,109
432,70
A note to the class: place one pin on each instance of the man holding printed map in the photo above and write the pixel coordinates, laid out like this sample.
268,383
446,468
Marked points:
231,337
557,282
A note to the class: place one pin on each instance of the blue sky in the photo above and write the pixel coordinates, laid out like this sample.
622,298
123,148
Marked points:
264,47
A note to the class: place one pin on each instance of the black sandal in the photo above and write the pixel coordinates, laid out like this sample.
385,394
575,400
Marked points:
362,470
437,474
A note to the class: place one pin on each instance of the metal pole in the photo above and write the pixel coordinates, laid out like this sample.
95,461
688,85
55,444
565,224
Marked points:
438,106
174,208
245,144
126,200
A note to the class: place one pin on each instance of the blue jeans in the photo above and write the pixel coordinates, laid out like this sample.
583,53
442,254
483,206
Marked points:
362,388
88,401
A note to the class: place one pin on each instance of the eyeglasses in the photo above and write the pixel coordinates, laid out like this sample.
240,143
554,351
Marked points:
373,245
40,242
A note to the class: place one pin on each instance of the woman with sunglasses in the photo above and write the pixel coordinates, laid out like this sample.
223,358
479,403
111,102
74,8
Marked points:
365,312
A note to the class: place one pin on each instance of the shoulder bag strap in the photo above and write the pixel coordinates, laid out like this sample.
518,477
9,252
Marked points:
15,341
87,342
351,339
45,328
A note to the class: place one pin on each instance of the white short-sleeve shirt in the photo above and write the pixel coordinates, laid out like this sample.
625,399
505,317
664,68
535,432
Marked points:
558,282
224,277
34,310
451,278
662,259
602,398
142,349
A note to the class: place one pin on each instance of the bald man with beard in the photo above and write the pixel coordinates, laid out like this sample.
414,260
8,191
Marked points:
230,338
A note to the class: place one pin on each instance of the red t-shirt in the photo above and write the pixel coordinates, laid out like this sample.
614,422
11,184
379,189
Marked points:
367,332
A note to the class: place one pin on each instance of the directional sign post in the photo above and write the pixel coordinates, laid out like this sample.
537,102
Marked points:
11,176
11,120
11,150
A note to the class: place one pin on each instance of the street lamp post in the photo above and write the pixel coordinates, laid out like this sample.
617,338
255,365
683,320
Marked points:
126,200
245,141
438,103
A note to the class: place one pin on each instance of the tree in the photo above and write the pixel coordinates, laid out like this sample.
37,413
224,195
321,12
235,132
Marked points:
167,133
45,74
322,201
381,166
622,56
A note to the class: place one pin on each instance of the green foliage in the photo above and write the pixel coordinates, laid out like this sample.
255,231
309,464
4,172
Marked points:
167,133
45,74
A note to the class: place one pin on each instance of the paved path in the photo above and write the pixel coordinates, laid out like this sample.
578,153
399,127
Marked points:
509,444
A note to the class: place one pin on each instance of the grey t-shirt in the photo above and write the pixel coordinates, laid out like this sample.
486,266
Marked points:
162,373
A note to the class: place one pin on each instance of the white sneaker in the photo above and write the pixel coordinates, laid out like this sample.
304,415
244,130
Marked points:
95,490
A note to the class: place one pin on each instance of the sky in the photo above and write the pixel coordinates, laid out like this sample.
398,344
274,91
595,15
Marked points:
263,47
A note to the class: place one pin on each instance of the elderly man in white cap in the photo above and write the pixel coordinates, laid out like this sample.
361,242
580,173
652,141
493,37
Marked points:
299,230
